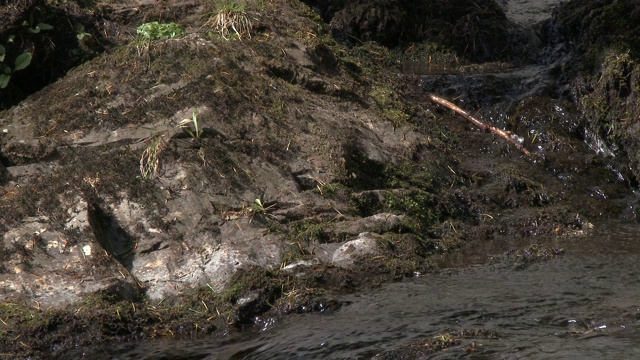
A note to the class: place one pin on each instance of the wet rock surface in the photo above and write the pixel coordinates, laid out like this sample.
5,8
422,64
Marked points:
314,165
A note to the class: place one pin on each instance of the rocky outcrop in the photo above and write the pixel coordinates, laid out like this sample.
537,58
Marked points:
257,174
106,192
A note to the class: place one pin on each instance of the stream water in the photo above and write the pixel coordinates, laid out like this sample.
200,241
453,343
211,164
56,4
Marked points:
529,12
582,305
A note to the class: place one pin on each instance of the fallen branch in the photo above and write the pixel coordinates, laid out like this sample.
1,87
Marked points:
479,123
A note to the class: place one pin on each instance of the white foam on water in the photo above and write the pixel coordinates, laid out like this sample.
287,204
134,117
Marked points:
528,12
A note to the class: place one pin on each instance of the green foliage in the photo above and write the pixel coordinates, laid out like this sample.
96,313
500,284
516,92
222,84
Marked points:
80,33
39,27
22,60
194,133
257,207
155,30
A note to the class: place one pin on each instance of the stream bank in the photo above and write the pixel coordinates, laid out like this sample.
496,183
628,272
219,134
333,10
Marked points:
319,169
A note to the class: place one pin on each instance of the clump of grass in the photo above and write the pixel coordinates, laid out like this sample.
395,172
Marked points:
185,125
230,19
150,158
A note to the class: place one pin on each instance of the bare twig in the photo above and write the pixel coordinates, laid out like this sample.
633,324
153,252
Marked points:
479,123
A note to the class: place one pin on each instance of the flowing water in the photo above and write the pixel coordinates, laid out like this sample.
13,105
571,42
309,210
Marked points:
582,305
529,12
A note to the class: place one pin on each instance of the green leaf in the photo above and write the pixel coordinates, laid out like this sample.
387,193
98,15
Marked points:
43,26
3,51
34,30
154,30
11,37
4,80
22,61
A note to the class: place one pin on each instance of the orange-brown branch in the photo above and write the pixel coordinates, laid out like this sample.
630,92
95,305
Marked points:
479,123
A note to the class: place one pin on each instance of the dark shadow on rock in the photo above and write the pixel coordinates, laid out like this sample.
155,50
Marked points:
363,171
123,290
4,174
115,240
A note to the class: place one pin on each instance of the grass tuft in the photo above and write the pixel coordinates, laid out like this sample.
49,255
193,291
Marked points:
230,19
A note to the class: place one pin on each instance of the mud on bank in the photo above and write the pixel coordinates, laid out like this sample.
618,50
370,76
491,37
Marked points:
319,169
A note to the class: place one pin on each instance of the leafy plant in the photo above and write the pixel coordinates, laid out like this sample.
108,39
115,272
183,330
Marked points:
230,19
258,207
196,133
155,30
38,28
80,33
22,61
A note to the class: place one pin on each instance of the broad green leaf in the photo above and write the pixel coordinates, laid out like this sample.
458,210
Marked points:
43,26
22,61
11,37
4,80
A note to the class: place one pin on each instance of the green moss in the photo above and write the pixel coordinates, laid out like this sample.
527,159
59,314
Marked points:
405,174
306,232
390,104
427,51
331,190
417,204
